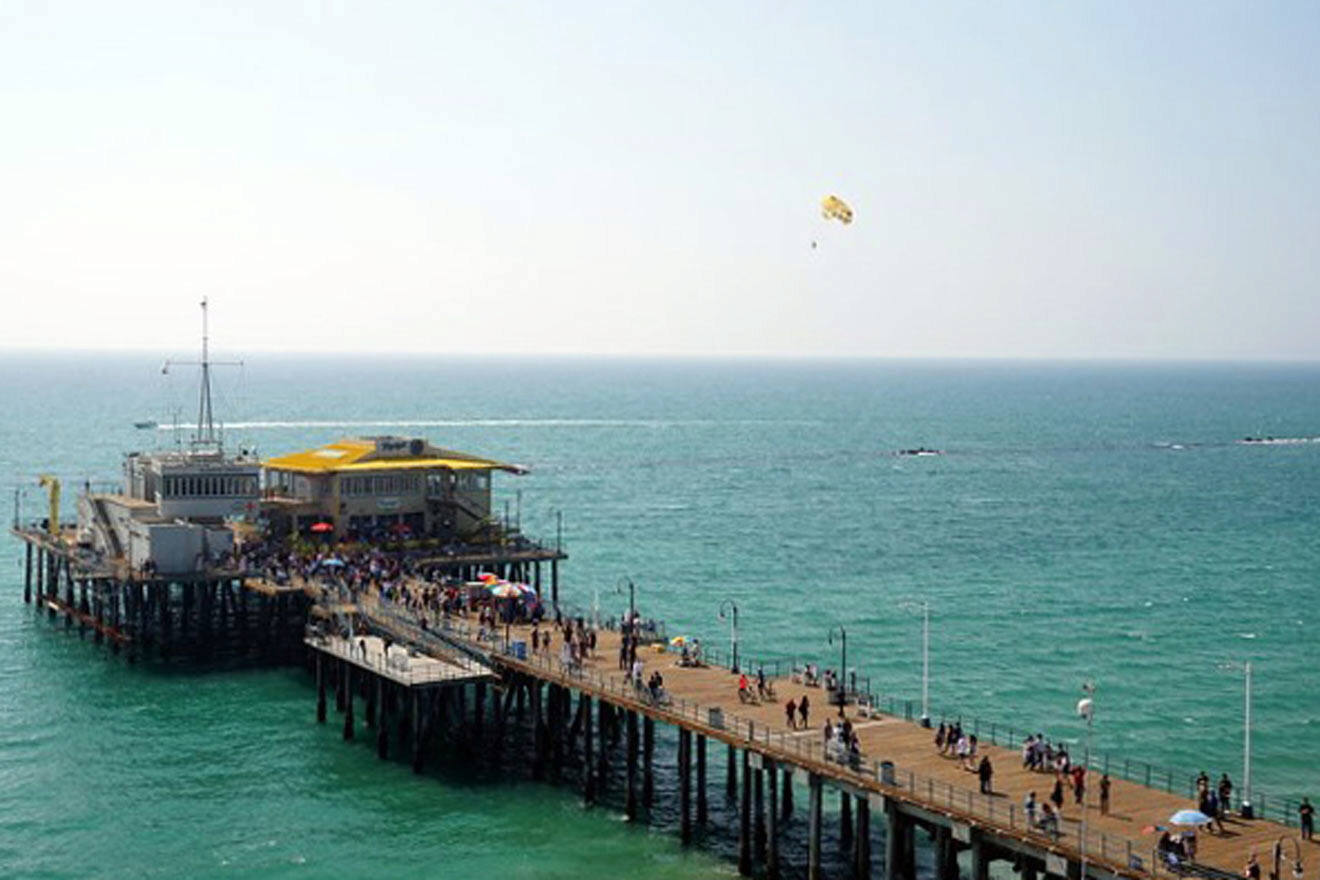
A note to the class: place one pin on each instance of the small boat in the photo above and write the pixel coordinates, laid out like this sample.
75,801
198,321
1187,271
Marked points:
148,423
921,450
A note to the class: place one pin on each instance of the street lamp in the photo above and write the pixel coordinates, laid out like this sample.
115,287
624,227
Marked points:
924,607
632,595
1247,811
733,631
843,665
1086,709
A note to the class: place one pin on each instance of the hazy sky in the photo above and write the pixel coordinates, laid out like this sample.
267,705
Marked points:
1040,180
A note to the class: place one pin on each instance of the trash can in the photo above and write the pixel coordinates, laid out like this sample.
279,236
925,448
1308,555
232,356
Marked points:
887,775
520,649
715,715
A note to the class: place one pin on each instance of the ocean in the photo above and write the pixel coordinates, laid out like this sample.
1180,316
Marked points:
1085,522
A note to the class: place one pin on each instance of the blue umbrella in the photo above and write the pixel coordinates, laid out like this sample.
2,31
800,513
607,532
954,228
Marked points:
332,563
1189,817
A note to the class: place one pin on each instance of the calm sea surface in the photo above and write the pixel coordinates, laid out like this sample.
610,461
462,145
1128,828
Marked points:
1085,522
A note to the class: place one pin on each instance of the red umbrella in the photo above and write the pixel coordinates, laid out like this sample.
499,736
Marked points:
323,527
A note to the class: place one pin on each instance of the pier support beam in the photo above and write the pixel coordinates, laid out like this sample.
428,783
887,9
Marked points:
745,819
845,819
685,785
27,575
731,777
320,688
862,840
648,757
604,723
348,701
771,819
787,809
946,855
758,813
980,853
813,826
382,721
630,794
588,771
701,780
418,752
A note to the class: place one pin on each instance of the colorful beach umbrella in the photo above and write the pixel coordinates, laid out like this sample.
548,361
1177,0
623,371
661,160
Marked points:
678,641
1189,817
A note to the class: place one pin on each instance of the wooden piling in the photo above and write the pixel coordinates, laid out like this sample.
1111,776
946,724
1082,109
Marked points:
845,819
758,814
701,780
383,719
731,776
813,826
348,701
685,785
862,840
588,770
788,795
320,688
648,753
745,819
630,786
771,819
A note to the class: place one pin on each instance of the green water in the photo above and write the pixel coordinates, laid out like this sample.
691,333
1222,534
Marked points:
1063,536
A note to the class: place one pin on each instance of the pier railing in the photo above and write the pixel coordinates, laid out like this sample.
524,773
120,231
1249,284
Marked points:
859,689
807,747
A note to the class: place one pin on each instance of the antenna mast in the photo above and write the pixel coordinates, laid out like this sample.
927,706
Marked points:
205,419
206,434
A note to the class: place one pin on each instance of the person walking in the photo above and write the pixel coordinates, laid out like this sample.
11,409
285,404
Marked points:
804,709
1226,797
1029,807
1104,794
985,773
1056,796
1306,818
1079,783
790,713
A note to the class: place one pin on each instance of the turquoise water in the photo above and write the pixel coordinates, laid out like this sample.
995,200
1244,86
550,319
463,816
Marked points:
1086,522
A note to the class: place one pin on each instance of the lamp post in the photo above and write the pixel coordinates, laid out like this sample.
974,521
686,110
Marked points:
843,665
632,595
1247,811
733,631
924,607
1086,709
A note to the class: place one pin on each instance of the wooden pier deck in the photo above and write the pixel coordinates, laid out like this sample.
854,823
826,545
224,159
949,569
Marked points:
705,700
397,663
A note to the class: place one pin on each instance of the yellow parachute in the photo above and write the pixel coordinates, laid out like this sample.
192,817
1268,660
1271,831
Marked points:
835,208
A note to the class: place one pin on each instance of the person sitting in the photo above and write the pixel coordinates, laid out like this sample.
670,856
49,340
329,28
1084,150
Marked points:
1049,821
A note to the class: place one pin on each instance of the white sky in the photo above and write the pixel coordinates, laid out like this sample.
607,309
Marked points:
1037,180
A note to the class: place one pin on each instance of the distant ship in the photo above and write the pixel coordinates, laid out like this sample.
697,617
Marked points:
920,450
148,423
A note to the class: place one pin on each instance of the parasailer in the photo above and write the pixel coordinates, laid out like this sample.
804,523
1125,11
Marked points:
835,208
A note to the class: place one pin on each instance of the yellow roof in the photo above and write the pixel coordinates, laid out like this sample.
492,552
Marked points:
356,456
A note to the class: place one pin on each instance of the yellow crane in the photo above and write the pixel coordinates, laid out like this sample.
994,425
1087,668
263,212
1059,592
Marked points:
52,487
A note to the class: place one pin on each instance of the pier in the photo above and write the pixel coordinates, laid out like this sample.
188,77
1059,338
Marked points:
900,798
899,804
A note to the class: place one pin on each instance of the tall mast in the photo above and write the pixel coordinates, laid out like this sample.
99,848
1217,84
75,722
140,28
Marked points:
205,419
205,434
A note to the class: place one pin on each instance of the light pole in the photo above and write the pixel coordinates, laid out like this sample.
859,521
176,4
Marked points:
733,631
843,665
924,607
1086,709
1247,811
632,595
